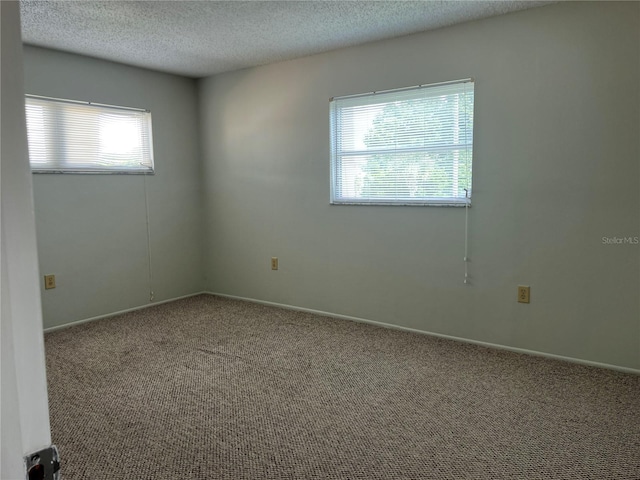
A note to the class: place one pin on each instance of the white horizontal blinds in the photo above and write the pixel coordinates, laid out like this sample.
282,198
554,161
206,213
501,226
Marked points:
78,137
409,146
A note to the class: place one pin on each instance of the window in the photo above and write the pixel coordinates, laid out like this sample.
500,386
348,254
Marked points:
78,137
411,146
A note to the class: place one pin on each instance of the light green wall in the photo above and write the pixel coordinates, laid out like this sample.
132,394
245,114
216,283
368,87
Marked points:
556,168
92,228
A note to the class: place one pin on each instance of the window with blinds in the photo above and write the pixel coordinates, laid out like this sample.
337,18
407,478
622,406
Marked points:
411,146
77,137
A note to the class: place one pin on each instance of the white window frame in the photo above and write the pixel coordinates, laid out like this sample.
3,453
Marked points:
351,115
70,136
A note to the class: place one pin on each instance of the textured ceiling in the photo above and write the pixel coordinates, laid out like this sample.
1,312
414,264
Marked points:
200,38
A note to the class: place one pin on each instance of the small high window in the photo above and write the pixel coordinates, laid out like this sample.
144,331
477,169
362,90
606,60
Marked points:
77,137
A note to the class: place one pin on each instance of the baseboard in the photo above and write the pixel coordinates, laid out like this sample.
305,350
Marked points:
440,335
112,314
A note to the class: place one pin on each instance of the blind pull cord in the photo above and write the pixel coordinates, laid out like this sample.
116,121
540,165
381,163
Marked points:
146,204
466,236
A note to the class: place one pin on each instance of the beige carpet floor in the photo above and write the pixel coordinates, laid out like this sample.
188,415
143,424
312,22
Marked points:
212,388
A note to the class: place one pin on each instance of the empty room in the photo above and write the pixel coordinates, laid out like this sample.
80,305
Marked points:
321,240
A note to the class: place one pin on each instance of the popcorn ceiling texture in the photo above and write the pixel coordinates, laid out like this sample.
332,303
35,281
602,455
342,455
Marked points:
201,38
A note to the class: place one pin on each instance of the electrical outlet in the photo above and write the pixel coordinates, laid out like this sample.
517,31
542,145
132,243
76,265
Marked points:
49,282
523,293
274,263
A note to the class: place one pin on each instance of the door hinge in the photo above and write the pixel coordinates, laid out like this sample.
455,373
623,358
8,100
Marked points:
43,464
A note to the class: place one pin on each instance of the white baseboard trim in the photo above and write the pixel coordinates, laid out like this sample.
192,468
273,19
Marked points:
113,314
440,335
